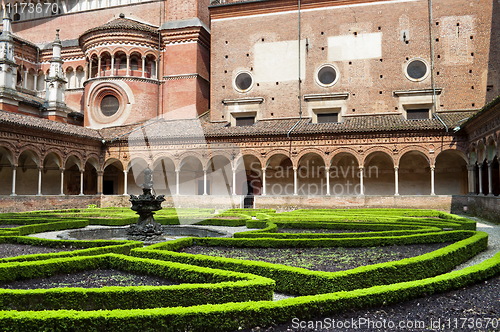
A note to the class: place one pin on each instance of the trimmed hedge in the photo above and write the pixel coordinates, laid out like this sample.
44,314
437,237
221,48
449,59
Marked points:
300,281
82,248
269,229
235,316
341,241
205,285
45,227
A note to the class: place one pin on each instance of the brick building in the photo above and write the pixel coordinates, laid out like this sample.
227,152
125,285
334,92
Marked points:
293,103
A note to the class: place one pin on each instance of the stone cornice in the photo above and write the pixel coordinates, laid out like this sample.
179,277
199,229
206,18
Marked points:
188,34
184,77
139,38
122,78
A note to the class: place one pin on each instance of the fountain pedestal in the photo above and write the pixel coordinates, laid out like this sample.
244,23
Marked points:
145,205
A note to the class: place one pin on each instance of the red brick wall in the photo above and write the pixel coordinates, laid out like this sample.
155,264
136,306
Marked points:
462,62
72,25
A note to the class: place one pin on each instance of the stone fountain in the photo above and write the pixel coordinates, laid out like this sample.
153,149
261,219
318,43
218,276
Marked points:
145,205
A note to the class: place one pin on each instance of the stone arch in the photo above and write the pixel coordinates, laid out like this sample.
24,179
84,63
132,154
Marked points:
112,179
30,84
414,173
248,174
344,173
311,173
164,174
79,76
27,174
248,152
378,173
412,148
51,173
275,152
70,77
490,148
72,172
119,49
57,153
279,175
105,63
33,149
135,63
316,151
40,81
481,152
135,175
451,173
190,175
219,175
6,170
348,150
91,167
183,156
371,150
205,161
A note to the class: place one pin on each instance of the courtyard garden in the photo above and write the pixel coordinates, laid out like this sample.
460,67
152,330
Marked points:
270,272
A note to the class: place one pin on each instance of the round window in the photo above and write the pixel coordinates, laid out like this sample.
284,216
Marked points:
416,70
109,105
243,81
327,75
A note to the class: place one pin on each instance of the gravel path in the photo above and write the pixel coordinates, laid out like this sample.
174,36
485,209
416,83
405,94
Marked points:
469,309
493,231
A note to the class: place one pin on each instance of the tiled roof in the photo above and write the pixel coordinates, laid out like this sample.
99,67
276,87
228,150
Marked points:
123,23
201,128
33,122
491,105
379,123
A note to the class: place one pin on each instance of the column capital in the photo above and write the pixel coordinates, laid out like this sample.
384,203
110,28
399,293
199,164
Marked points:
125,171
100,173
433,167
471,167
361,167
396,168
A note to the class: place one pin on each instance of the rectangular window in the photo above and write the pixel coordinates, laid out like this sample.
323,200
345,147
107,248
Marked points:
417,114
327,117
245,121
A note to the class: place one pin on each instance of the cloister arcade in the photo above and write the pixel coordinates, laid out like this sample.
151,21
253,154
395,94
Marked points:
344,173
484,170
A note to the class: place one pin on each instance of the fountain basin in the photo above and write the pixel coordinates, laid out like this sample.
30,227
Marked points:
120,233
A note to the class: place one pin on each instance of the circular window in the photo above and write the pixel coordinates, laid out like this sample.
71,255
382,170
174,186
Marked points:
417,70
109,105
327,76
243,81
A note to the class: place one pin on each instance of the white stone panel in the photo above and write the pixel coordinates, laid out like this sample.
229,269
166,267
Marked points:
355,47
279,61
